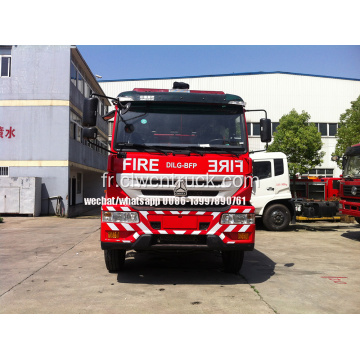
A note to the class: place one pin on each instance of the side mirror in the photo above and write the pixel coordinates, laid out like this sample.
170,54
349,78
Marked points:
265,130
90,111
335,158
90,133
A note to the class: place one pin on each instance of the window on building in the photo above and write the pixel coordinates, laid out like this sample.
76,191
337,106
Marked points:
101,108
274,125
73,73
80,83
79,133
4,171
78,183
72,130
5,61
323,129
332,129
86,90
256,129
327,129
75,127
111,125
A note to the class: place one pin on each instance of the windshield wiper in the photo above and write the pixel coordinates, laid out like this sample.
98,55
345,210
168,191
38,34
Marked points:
141,146
236,151
348,177
194,149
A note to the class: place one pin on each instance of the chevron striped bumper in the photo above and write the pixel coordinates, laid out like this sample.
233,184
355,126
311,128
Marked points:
177,230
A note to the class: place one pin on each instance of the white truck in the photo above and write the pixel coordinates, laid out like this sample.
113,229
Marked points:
271,194
272,199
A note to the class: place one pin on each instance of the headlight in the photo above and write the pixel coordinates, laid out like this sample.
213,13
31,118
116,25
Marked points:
237,219
120,216
340,205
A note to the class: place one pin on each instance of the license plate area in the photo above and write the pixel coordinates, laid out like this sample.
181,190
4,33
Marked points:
179,240
179,222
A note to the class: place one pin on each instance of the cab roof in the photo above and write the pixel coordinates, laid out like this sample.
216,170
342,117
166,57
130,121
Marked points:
267,155
353,150
180,95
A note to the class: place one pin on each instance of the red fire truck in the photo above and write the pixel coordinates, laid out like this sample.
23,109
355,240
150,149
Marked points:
317,188
350,183
179,174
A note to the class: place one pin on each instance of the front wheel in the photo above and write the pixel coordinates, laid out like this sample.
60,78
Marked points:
233,260
114,259
276,217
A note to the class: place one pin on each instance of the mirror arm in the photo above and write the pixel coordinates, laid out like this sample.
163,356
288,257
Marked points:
101,147
104,96
246,110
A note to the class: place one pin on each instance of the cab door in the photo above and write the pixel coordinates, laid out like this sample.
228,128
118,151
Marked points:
263,184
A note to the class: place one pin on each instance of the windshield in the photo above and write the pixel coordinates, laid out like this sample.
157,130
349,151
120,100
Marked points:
352,167
198,127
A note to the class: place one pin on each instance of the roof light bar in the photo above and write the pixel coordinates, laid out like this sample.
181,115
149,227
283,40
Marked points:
180,90
150,90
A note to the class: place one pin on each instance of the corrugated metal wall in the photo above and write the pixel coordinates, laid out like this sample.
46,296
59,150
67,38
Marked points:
323,98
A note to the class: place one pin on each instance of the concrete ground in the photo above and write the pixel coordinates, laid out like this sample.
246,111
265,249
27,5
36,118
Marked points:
55,265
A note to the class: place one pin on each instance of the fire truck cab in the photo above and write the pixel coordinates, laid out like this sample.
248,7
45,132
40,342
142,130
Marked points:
350,183
179,174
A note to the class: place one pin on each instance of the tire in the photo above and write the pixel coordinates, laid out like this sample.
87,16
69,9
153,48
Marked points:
276,217
357,220
233,260
114,259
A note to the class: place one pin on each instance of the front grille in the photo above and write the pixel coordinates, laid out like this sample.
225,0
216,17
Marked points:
347,190
170,183
350,207
171,193
352,200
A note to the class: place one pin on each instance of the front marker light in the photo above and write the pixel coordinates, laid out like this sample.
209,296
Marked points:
106,216
237,219
242,103
121,216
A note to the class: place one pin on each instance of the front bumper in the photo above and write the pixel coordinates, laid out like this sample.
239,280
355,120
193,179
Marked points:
350,208
151,242
178,230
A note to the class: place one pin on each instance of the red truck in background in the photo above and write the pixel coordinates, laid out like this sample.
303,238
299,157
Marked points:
317,188
179,174
350,183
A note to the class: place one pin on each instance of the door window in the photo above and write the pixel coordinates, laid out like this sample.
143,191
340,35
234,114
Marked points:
262,169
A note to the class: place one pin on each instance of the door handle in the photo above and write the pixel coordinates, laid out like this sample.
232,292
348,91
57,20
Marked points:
270,189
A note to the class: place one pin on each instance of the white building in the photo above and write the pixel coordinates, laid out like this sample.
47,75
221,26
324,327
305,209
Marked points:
323,97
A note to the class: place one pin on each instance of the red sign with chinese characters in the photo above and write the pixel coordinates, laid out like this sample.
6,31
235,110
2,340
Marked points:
7,133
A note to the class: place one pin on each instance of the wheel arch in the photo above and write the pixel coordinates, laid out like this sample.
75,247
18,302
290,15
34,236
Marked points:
287,202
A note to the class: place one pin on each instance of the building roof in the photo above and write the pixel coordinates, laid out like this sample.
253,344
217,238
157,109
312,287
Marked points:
90,76
234,74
